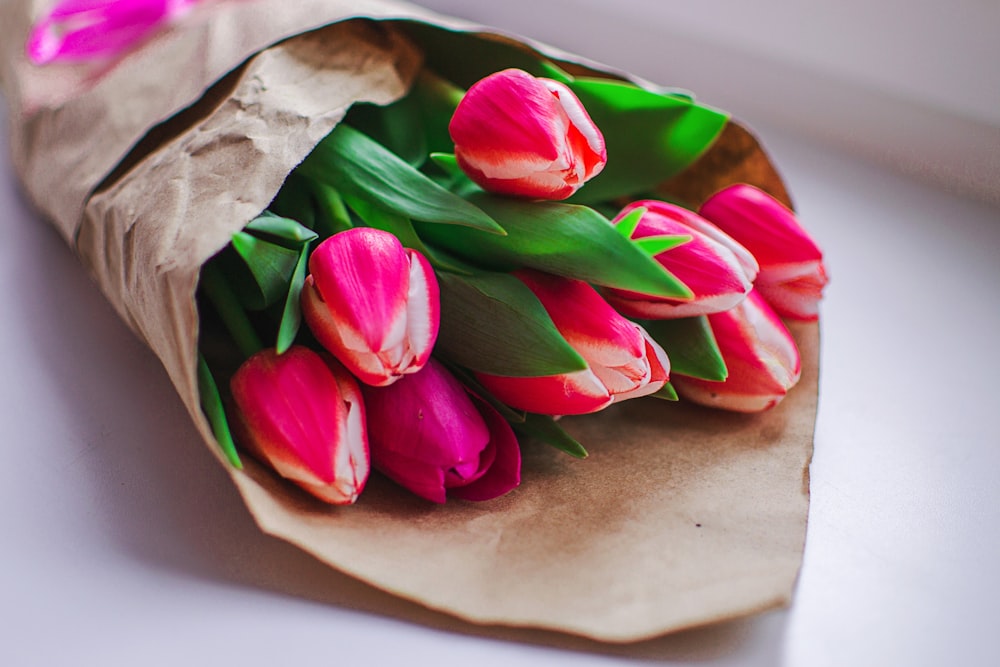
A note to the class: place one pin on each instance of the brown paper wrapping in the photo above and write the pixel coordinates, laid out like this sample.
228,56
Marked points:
681,516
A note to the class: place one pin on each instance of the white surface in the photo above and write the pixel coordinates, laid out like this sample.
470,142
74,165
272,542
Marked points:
124,544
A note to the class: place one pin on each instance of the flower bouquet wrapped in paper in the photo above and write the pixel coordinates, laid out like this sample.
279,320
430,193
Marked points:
430,294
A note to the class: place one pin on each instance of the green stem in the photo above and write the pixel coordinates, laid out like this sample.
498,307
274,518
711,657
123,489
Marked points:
229,309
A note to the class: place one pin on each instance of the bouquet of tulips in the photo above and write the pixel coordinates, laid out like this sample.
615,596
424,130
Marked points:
463,286
366,236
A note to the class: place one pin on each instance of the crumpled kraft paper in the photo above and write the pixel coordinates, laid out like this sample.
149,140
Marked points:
681,516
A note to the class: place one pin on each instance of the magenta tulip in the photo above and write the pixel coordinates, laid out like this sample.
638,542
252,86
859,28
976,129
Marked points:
372,303
760,354
717,269
429,435
303,415
78,30
622,360
519,135
792,275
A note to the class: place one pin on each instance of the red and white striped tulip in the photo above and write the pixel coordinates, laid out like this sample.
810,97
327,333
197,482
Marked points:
519,135
80,30
622,360
304,416
760,354
372,303
717,269
429,435
792,275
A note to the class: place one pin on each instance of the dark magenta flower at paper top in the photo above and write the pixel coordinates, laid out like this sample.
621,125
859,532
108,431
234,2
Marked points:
79,30
431,436
372,303
622,360
792,275
760,354
516,134
304,416
718,270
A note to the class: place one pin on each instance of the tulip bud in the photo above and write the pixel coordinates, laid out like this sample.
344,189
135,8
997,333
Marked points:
622,360
304,417
372,303
519,135
760,355
717,269
792,275
429,435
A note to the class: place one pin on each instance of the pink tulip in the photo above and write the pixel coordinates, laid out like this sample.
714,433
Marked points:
372,303
791,275
760,354
431,436
304,416
519,135
717,269
78,30
622,360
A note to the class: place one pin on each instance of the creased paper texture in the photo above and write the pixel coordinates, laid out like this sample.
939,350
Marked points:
680,517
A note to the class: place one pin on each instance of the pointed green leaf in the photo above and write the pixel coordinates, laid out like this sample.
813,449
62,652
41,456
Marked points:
211,405
282,229
271,266
650,136
360,167
691,347
492,323
567,240
291,316
654,245
627,225
666,393
548,430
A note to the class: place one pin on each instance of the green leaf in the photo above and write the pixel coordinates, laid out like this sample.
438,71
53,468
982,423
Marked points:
690,346
627,225
271,266
211,404
567,240
448,163
281,229
546,429
650,136
654,245
362,168
666,393
492,323
291,316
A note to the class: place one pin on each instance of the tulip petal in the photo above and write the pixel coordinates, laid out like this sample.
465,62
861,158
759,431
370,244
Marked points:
504,470
518,135
304,417
373,304
425,432
760,354
792,276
